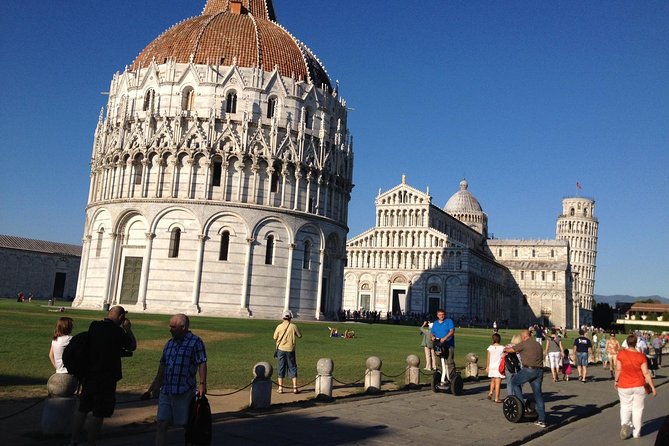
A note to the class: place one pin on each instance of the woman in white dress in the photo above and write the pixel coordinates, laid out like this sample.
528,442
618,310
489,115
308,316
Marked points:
61,337
495,352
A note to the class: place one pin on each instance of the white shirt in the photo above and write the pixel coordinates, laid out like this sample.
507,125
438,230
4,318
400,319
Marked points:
58,346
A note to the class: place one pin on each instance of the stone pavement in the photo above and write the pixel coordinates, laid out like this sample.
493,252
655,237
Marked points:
392,418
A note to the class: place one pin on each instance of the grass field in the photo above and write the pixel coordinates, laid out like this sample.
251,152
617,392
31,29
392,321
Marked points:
233,347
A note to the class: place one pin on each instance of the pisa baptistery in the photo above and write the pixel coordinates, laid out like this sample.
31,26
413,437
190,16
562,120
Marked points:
221,175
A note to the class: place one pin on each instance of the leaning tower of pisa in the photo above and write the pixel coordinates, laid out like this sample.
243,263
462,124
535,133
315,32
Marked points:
578,225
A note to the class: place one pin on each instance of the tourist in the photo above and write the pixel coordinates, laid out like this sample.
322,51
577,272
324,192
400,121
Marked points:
495,352
443,331
657,345
532,372
631,377
426,343
582,349
107,341
183,357
602,352
61,337
554,352
285,337
612,348
566,365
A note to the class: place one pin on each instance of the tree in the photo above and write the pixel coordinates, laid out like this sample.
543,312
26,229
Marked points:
602,316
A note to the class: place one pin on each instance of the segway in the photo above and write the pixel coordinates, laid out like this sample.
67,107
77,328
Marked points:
516,410
454,385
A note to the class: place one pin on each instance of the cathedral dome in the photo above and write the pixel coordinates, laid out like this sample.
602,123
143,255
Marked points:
462,201
243,32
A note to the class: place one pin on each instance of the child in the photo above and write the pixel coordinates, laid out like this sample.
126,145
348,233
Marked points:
495,352
566,365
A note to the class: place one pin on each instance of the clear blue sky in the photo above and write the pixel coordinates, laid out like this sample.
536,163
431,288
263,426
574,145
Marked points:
523,99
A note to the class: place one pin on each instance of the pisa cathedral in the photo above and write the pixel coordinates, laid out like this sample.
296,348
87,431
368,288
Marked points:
419,257
220,175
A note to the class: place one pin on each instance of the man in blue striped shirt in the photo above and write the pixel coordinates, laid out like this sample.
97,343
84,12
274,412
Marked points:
183,356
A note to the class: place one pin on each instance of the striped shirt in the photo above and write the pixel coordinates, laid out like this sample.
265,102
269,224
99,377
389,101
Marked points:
180,361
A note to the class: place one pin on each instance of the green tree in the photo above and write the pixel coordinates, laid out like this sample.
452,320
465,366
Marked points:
602,316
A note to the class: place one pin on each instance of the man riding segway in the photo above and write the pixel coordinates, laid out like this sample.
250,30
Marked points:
532,372
443,338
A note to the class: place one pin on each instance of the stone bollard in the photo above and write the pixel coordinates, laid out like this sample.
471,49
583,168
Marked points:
472,367
261,388
373,375
412,376
323,390
59,408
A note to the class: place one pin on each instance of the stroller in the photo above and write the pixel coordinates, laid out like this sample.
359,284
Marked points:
451,379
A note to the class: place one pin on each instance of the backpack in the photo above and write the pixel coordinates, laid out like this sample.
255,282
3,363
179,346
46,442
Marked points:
512,363
75,355
198,429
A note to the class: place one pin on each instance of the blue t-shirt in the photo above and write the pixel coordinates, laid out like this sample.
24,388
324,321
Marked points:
582,344
440,330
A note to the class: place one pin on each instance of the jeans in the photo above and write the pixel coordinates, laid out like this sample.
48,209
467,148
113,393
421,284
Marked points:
535,377
287,360
631,407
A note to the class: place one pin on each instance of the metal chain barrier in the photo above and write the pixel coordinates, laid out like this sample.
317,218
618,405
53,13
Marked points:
5,417
351,383
395,376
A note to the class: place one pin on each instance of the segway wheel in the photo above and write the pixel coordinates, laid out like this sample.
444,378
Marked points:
513,409
436,380
457,386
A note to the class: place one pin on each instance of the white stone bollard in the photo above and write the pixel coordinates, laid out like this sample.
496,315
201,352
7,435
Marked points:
323,389
471,369
261,389
373,375
59,408
412,376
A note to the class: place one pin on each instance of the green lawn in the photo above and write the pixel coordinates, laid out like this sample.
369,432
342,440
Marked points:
233,347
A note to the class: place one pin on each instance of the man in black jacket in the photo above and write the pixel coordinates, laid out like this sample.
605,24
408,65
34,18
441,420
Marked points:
108,340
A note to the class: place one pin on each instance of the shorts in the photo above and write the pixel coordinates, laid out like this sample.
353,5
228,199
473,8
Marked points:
98,397
287,361
554,360
173,408
582,359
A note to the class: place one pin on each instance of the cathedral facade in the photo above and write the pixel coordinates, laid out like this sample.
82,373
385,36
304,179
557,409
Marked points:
419,257
220,175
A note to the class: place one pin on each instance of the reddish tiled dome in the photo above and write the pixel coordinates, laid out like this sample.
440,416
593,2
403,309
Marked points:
241,31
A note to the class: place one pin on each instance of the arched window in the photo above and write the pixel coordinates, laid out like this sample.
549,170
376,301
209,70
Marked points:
98,247
269,250
149,99
216,173
571,212
188,99
225,246
274,187
231,102
534,253
175,241
306,259
271,107
137,172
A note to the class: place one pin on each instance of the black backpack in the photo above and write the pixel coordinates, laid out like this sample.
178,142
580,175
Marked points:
512,362
75,355
198,429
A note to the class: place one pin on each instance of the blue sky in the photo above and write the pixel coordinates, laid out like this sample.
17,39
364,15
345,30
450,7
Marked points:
523,99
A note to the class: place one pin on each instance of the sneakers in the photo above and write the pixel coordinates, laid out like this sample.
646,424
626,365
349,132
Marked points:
541,424
625,431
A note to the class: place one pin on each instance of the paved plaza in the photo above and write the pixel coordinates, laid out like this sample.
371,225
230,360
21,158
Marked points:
392,418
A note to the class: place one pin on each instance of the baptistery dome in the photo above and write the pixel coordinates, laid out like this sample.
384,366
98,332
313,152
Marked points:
244,32
221,174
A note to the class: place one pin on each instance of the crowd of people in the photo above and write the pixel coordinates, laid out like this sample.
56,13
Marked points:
631,364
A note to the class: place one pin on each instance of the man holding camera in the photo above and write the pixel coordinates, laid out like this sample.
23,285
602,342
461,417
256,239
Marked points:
108,340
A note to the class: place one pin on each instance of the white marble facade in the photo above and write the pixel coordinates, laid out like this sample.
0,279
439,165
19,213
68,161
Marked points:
418,258
220,188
